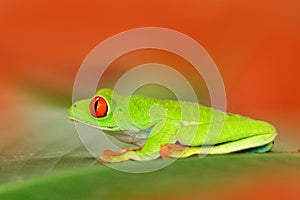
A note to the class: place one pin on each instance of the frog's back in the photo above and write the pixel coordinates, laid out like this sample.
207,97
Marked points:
179,110
173,110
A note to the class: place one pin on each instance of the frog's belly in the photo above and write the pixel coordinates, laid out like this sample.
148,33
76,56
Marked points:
135,137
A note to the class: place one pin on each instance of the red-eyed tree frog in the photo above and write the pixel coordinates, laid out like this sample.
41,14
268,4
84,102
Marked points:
159,129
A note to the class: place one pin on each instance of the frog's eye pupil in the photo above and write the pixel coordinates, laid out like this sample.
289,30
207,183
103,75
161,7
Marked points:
98,107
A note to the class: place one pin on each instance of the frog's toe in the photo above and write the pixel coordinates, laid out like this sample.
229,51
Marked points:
112,153
171,150
110,156
105,159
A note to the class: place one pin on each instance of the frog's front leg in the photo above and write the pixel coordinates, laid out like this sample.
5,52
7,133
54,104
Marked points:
164,132
110,156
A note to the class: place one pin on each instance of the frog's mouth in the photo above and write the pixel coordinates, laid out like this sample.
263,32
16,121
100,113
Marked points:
107,128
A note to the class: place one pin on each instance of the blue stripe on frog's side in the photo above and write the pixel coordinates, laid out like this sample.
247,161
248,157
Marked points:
147,131
261,149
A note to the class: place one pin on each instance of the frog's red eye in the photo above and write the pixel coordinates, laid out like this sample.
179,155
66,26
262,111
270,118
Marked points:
98,107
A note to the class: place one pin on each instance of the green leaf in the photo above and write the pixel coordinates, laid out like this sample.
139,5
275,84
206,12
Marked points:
183,178
48,161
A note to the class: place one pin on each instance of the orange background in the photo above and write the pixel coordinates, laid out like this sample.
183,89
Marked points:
255,45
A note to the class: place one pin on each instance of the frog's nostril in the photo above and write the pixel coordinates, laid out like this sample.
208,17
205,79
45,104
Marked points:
75,105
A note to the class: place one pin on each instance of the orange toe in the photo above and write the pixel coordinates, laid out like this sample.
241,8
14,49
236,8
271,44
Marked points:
105,159
167,149
111,153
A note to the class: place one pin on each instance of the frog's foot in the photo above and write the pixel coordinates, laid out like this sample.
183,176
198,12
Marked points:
110,156
169,150
178,151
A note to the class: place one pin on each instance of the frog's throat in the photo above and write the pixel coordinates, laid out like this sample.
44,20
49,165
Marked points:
108,128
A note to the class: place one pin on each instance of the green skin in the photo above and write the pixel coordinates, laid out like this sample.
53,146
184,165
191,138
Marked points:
166,128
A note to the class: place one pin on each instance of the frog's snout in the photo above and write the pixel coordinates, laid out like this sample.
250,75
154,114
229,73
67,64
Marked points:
71,110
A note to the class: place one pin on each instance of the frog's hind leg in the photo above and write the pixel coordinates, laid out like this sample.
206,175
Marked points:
258,144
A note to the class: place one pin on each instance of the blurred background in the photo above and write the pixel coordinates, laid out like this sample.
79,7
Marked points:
255,45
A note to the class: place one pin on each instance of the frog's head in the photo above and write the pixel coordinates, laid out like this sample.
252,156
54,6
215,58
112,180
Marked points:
96,112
